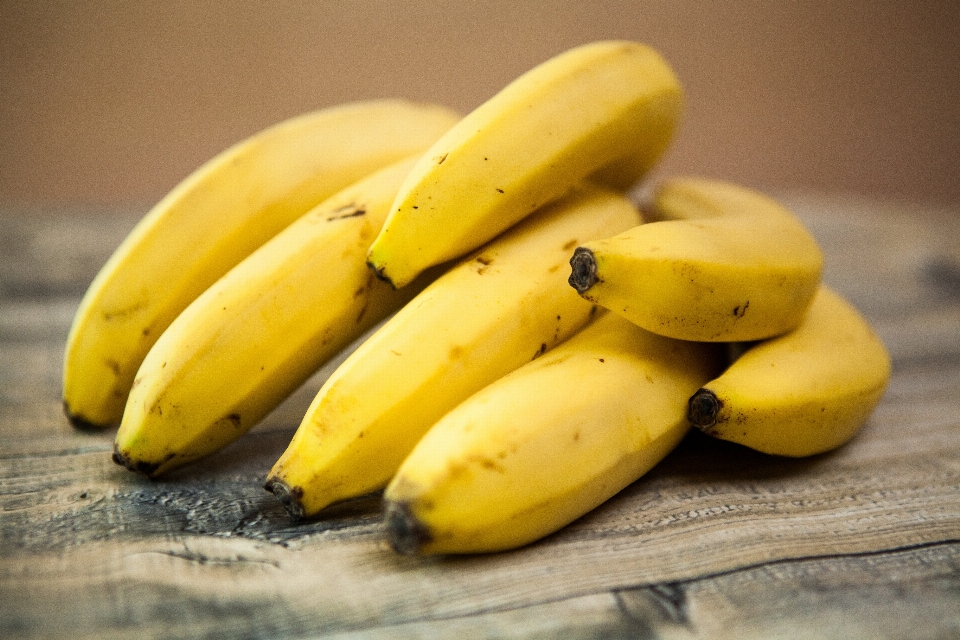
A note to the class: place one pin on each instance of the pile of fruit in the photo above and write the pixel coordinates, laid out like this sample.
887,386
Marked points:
543,343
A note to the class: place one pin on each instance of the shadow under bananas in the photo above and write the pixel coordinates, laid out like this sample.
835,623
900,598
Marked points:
223,495
710,460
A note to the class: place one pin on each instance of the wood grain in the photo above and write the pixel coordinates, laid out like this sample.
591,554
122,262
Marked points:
715,542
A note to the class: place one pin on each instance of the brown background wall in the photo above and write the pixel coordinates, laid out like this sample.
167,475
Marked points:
114,102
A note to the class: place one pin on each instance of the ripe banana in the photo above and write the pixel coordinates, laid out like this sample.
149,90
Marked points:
802,393
212,220
606,109
547,443
505,305
260,331
719,263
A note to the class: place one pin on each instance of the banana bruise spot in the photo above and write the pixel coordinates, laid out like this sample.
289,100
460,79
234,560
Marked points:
703,408
290,497
347,211
542,350
80,423
485,262
405,533
583,273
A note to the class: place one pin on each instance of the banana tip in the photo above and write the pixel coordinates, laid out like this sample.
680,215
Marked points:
381,273
290,497
145,469
702,409
583,274
407,534
79,422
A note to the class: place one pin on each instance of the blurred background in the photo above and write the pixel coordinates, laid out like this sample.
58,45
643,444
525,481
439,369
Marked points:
112,102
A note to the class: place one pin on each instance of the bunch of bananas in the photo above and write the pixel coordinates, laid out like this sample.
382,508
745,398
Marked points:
505,393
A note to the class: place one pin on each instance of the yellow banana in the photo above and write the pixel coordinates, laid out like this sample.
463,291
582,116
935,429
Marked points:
802,393
505,305
212,220
719,263
606,109
260,331
547,443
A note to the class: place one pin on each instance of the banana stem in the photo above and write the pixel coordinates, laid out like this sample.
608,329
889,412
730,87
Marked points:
703,408
584,270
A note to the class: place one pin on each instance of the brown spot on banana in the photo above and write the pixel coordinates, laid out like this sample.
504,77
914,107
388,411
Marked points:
233,419
113,365
347,211
120,314
487,463
542,350
485,262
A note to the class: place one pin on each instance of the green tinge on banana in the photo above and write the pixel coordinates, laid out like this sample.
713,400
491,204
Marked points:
505,305
803,393
606,109
547,443
260,331
719,263
212,220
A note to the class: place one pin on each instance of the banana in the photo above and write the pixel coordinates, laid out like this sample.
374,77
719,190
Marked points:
505,305
260,331
719,263
606,109
547,443
802,393
212,220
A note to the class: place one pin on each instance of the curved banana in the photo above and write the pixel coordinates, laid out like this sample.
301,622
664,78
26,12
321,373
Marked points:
260,331
212,220
547,443
802,393
505,305
606,108
720,263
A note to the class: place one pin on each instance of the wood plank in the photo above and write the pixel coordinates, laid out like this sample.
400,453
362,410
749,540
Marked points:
717,541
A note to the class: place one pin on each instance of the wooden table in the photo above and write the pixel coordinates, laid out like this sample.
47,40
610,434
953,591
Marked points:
716,542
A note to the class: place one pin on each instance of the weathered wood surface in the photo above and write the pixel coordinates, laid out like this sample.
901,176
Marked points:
716,542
